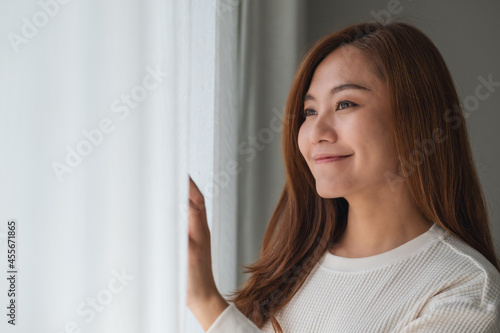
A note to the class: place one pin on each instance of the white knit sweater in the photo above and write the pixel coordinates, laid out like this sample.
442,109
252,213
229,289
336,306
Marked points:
433,283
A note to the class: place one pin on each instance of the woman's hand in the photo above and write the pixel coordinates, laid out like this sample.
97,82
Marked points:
203,298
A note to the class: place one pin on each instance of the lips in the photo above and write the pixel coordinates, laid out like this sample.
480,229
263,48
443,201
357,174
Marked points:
319,156
330,158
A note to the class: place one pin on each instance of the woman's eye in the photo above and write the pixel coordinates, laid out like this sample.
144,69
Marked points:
340,106
306,112
344,104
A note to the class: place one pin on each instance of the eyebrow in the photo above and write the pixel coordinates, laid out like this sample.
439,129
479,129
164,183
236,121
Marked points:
337,89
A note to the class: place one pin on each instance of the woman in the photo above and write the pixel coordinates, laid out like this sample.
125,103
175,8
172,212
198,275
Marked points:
382,224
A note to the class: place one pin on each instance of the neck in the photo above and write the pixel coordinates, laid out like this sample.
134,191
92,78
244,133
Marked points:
379,222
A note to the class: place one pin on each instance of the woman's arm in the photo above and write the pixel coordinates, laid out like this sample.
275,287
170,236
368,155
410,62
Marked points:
457,316
469,304
208,311
203,299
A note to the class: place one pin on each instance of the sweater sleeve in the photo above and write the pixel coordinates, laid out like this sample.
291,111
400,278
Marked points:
470,303
457,316
231,320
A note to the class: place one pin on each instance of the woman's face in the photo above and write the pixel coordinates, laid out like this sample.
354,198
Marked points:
348,113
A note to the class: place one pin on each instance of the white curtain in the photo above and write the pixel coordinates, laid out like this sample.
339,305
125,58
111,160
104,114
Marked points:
106,107
272,41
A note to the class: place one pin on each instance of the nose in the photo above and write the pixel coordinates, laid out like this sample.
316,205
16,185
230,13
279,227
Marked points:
323,129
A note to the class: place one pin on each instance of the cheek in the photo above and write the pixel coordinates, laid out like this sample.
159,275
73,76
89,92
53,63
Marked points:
383,135
378,144
302,140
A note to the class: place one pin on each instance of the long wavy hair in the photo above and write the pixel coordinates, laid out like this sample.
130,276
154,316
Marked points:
444,184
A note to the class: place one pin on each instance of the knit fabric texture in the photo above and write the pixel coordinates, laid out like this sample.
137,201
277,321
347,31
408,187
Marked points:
434,283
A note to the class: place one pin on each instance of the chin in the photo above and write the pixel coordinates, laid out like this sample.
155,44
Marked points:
329,193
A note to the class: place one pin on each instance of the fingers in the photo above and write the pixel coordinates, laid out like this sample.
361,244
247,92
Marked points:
195,196
198,226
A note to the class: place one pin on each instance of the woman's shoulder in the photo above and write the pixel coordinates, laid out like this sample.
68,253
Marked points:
466,273
463,256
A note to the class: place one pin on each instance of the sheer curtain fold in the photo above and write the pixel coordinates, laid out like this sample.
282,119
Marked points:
96,99
106,107
271,40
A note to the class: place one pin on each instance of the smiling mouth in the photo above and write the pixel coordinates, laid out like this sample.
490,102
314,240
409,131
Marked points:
331,159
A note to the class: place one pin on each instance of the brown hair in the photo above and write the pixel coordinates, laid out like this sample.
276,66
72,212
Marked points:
443,181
